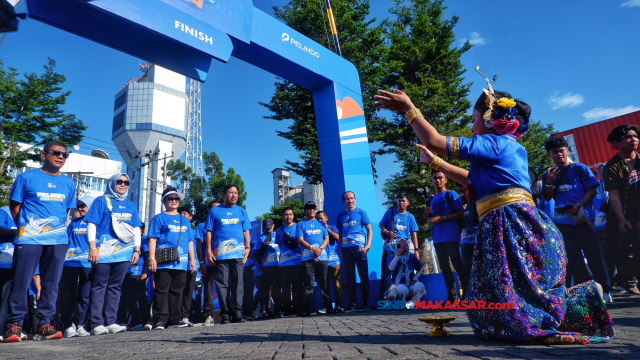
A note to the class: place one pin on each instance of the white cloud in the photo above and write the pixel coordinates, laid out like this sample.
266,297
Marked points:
631,3
567,100
474,39
607,113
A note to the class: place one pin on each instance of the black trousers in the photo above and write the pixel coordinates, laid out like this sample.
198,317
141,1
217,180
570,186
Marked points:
207,286
466,255
629,258
352,258
228,275
134,302
167,296
578,240
6,275
290,278
268,288
249,283
450,250
187,294
319,269
609,246
75,288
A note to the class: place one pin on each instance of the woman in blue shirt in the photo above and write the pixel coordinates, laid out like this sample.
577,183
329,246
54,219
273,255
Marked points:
170,230
110,253
519,257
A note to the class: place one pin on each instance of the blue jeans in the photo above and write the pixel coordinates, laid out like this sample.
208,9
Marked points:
352,258
26,258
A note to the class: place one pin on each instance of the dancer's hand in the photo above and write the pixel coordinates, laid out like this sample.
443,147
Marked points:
396,100
426,156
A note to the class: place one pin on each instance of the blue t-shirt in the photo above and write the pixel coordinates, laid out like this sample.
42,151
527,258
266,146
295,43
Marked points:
470,230
313,232
288,256
575,183
111,248
250,261
272,254
598,217
228,225
405,225
137,268
353,224
445,203
6,248
167,230
496,162
45,200
333,249
78,252
201,234
413,263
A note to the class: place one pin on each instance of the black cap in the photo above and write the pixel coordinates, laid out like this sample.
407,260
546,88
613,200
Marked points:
185,208
267,223
310,204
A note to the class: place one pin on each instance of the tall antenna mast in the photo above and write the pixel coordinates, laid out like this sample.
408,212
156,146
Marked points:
194,131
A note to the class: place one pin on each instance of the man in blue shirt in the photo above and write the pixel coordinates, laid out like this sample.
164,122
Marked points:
334,275
573,187
228,248
396,224
40,204
355,241
313,238
443,213
205,270
266,253
290,268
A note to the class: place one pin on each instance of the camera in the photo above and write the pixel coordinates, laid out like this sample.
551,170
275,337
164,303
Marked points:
562,209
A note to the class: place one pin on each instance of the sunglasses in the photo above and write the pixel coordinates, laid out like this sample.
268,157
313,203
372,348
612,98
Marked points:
173,199
125,182
57,153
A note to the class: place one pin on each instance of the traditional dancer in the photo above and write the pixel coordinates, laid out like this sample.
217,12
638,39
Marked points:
519,256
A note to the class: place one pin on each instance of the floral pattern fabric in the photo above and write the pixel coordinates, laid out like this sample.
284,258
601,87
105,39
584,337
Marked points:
520,258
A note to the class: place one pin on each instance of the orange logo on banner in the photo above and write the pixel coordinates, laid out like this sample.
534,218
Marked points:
197,2
348,107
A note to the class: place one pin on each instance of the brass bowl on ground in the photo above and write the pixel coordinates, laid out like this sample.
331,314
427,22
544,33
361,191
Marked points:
438,322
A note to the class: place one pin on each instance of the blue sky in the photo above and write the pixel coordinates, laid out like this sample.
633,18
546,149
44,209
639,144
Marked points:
575,62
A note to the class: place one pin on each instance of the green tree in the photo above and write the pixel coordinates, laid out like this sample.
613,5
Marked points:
534,141
203,190
361,43
275,212
31,113
425,63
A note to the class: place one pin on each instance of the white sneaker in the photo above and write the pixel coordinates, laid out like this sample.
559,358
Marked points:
147,327
115,328
99,330
208,321
322,311
82,332
70,332
607,298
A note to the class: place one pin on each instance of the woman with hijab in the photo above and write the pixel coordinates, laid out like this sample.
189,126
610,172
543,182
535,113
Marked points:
111,251
170,230
519,256
75,274
405,271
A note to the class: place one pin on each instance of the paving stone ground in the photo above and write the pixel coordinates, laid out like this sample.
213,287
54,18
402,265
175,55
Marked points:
388,334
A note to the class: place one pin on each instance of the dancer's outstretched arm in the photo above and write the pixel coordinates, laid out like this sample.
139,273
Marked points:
458,174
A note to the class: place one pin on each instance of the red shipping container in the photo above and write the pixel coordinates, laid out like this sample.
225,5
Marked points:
588,144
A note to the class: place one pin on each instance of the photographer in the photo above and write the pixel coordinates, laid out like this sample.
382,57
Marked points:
573,186
621,175
404,278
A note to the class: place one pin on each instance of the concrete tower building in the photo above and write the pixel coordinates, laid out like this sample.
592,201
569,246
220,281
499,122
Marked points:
150,117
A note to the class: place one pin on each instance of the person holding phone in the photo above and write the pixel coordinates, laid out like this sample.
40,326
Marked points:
573,187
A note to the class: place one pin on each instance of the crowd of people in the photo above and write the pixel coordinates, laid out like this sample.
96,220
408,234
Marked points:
552,250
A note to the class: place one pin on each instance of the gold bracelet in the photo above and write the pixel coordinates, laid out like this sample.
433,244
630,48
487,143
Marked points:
435,163
412,114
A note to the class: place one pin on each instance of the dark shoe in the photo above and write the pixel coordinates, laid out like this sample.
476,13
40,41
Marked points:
330,311
14,333
225,320
238,319
351,308
46,331
304,314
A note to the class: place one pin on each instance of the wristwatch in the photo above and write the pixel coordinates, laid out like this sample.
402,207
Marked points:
151,258
136,251
444,217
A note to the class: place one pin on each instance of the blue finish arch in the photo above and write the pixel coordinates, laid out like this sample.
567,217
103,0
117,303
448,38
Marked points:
187,35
